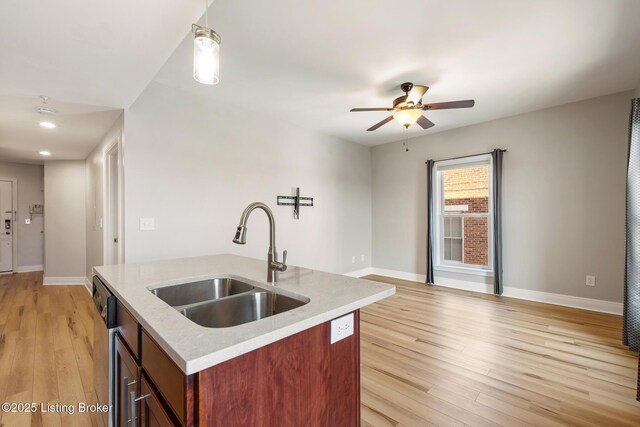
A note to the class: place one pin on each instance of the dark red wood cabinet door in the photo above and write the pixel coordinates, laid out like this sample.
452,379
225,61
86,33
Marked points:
151,411
126,373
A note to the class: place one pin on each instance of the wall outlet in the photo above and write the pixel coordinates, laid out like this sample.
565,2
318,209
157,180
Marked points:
591,281
147,224
362,257
27,221
353,260
341,328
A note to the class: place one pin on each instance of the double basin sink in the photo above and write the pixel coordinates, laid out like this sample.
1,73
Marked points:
223,302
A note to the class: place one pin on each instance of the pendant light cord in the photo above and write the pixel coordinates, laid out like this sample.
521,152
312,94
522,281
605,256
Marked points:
206,13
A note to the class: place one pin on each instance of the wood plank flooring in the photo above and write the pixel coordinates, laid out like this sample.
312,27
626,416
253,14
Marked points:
430,356
438,356
46,336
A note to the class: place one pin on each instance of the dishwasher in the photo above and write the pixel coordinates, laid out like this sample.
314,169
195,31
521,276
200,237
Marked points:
104,328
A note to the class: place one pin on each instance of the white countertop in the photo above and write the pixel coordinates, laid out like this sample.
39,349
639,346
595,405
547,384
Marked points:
193,347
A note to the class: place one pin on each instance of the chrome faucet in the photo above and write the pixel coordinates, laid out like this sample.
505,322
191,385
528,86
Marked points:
273,266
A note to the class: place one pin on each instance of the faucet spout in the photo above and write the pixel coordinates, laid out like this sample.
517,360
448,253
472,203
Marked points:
241,235
273,266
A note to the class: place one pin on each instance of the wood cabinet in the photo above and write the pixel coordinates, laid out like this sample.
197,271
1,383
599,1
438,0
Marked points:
129,330
137,402
301,380
152,411
127,374
175,388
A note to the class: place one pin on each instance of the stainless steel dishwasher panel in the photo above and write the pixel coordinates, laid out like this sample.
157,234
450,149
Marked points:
104,326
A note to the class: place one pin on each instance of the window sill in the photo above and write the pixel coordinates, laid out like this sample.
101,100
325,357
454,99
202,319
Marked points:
464,270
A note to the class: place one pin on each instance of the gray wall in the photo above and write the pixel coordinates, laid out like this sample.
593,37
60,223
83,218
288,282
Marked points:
194,164
564,195
95,165
30,190
64,223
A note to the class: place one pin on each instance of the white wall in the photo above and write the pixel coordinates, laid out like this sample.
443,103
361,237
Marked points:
95,169
194,164
564,195
64,223
30,190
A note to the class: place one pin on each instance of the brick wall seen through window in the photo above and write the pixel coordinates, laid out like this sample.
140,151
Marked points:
466,191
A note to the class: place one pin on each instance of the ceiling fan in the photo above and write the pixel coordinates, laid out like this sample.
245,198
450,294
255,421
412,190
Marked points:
408,108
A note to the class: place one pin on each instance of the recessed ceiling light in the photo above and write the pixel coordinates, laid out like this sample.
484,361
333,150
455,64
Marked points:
45,153
48,125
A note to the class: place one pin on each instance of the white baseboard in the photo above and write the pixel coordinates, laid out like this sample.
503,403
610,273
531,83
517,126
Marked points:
524,294
565,300
64,281
29,268
88,285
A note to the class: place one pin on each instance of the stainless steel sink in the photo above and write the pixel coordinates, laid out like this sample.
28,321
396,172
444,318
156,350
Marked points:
205,290
241,309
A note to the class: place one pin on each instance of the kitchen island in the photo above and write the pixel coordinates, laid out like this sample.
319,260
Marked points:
284,369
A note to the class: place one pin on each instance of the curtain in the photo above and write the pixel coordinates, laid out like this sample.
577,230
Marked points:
430,221
631,314
497,221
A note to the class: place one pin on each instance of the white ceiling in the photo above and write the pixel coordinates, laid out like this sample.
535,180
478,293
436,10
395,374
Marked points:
89,52
79,129
309,62
82,55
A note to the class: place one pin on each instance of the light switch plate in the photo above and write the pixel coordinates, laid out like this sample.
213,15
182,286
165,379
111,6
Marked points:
341,328
147,224
27,221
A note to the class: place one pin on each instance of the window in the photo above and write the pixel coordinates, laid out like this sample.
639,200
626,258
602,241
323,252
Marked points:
463,213
453,239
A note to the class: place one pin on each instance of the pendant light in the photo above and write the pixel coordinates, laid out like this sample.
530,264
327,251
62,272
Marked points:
206,52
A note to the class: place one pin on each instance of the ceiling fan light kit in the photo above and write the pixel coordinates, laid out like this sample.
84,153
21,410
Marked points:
206,52
46,110
407,117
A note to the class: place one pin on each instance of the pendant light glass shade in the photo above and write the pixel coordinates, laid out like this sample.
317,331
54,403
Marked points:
407,117
206,56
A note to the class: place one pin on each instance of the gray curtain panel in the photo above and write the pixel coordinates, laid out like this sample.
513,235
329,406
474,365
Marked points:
631,314
497,221
430,222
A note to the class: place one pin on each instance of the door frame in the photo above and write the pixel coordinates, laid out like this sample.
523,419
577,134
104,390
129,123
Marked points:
14,234
115,146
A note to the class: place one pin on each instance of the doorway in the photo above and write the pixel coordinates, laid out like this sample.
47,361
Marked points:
113,230
8,214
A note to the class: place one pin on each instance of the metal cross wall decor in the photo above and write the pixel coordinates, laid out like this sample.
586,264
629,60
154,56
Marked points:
295,201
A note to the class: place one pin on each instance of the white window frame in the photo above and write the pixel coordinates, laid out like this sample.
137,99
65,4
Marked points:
438,172
444,217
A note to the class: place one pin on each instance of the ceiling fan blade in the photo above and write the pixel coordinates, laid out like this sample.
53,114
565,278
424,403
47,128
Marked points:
416,93
447,105
383,122
353,110
425,123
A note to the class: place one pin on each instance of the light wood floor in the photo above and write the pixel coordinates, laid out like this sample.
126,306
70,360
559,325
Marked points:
437,356
46,336
430,356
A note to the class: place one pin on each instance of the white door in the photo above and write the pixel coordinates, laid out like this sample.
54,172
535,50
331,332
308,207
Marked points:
6,226
113,231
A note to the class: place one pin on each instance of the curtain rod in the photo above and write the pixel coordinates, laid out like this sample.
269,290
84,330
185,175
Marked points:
464,157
